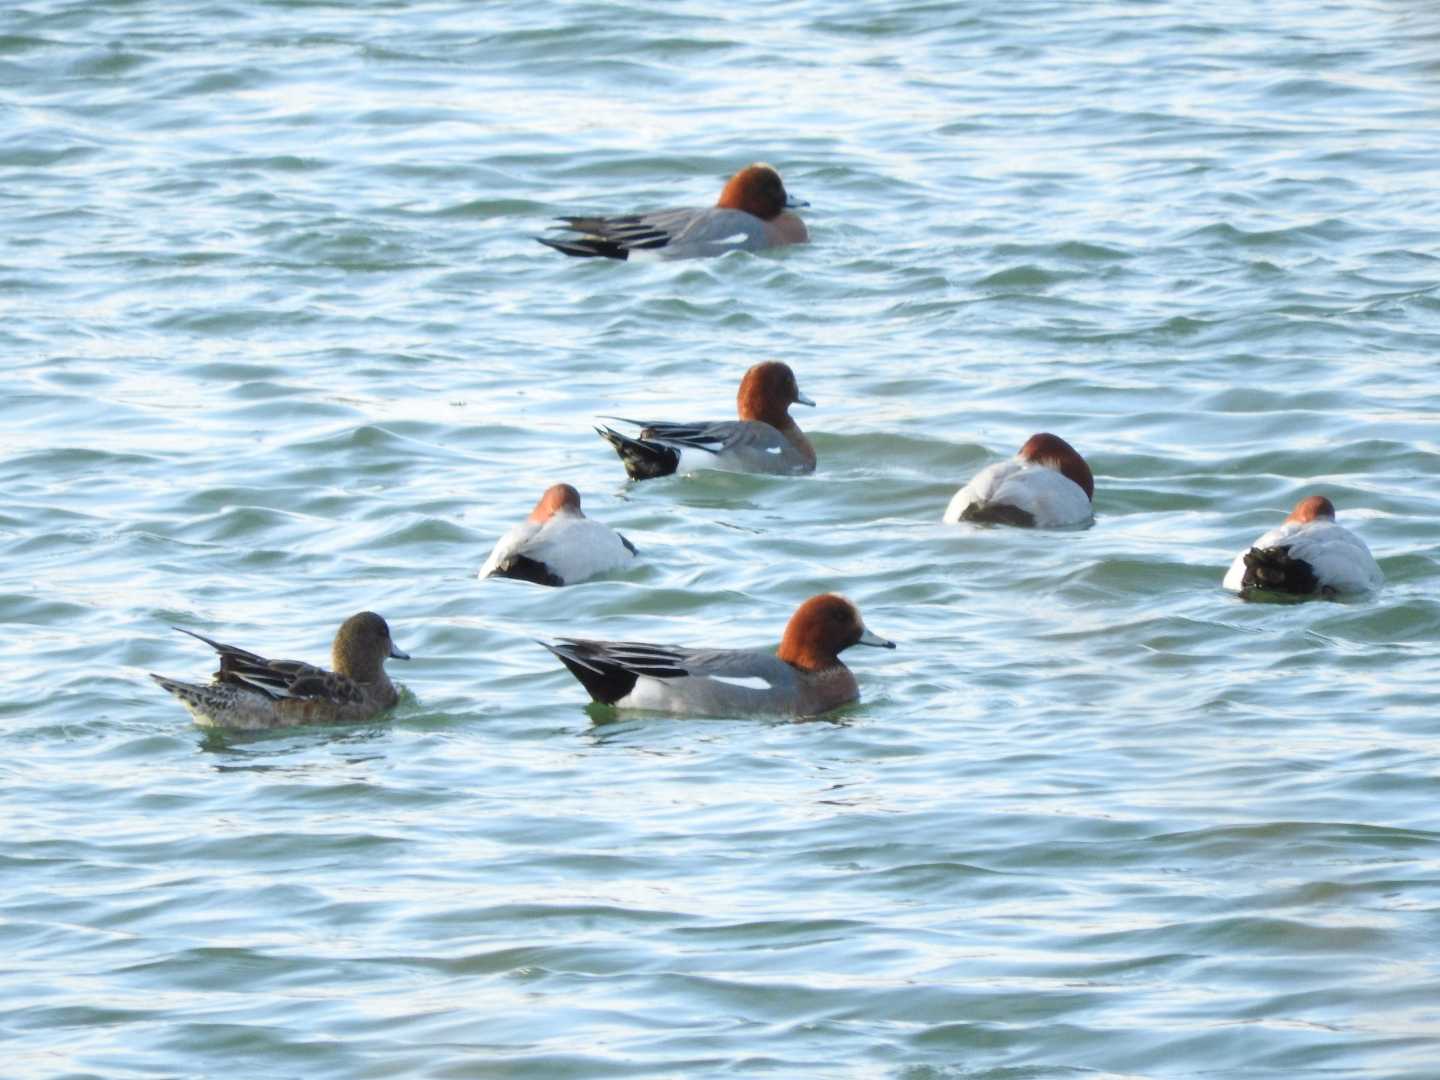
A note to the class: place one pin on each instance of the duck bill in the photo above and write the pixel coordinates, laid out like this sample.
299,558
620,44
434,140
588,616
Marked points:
867,638
397,653
801,399
792,203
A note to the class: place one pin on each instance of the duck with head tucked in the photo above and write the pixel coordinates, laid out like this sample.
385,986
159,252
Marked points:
251,693
805,677
557,544
765,439
1046,485
1309,555
752,213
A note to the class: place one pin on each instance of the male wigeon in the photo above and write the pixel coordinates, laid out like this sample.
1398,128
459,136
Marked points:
804,678
765,439
1309,555
1047,484
252,693
750,215
557,544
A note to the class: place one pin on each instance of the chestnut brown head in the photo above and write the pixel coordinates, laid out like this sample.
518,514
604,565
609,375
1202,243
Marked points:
558,498
1312,508
766,393
756,189
1055,453
821,629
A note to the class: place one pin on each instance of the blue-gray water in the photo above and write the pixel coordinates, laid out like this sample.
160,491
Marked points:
278,346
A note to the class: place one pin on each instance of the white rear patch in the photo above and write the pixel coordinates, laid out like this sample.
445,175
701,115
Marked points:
746,682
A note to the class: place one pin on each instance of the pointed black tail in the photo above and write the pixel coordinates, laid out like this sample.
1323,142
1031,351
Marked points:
588,247
605,682
644,460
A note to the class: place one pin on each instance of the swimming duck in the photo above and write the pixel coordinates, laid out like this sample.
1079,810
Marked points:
557,544
251,693
765,439
1047,484
1310,554
750,215
805,677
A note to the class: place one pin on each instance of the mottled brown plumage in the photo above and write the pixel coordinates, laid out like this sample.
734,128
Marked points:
251,692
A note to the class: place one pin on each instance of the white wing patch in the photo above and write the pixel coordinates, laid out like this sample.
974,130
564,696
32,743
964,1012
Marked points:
774,450
745,682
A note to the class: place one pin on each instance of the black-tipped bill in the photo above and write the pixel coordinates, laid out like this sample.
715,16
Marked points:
397,653
867,638
792,203
801,399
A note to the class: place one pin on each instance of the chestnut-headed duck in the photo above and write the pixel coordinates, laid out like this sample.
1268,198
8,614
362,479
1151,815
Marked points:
557,544
750,215
765,439
1047,484
803,678
1309,555
251,693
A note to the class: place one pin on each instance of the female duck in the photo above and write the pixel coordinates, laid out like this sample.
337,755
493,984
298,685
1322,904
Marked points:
250,692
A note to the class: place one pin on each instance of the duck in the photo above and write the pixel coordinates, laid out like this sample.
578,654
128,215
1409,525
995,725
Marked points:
1047,485
752,214
805,677
557,544
251,693
1309,555
765,438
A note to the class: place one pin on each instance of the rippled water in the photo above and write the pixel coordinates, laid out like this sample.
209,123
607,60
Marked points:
278,346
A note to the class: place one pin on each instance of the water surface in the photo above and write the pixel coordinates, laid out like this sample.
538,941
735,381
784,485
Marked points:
279,347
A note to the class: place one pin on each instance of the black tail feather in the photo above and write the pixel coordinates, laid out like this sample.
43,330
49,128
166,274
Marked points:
631,233
605,683
997,514
1274,570
524,568
231,658
643,460
588,247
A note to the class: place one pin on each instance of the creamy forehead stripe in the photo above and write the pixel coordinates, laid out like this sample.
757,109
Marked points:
746,682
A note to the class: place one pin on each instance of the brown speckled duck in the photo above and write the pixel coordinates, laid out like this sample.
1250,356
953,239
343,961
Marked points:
251,693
